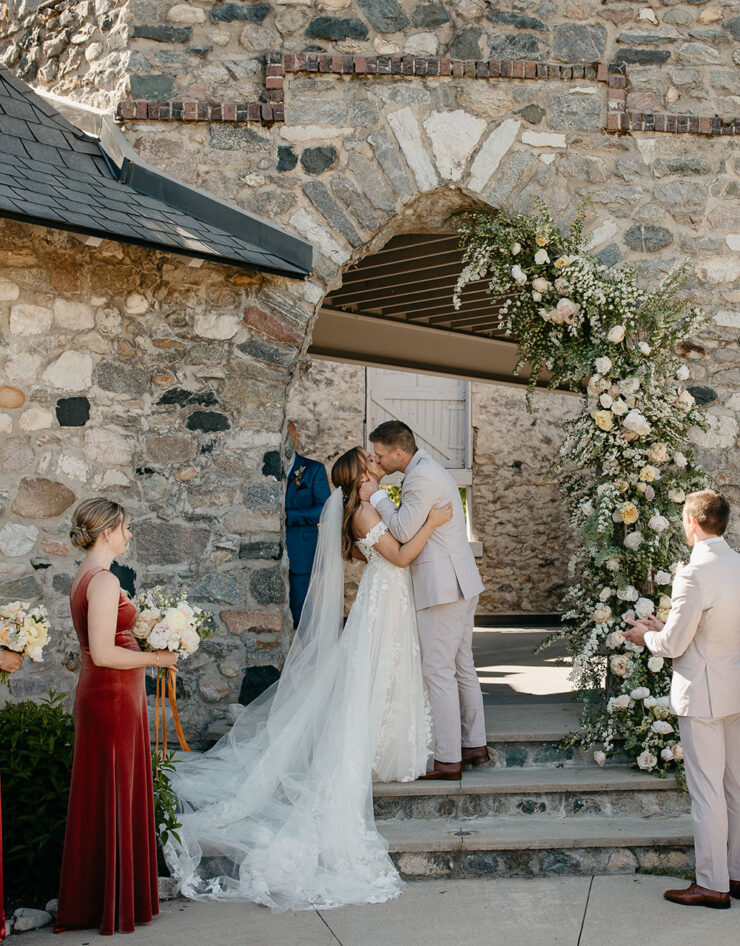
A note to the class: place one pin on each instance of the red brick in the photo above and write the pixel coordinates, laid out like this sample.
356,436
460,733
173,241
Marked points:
189,111
360,65
255,111
445,67
336,63
348,65
141,109
530,70
229,111
289,63
127,110
612,121
517,70
266,113
274,82
275,95
278,112
274,70
705,126
602,73
506,70
494,67
300,62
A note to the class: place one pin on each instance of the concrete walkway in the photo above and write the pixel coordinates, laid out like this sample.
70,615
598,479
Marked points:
559,911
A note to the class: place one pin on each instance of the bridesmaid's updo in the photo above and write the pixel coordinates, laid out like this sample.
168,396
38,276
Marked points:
346,474
91,518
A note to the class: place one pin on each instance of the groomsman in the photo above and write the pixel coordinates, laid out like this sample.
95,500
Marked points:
702,636
306,492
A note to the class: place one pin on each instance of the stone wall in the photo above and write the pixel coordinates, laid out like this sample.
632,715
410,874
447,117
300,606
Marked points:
524,561
130,374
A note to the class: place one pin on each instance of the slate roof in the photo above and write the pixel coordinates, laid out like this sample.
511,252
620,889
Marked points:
55,175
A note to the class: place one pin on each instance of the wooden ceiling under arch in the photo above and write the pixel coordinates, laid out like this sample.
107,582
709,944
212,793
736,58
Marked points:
394,308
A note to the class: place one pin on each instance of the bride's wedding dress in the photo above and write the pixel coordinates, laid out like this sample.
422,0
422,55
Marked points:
280,810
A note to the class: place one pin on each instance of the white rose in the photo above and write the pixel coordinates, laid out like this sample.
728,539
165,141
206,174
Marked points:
618,702
603,364
641,487
518,274
678,752
676,495
658,523
35,654
541,257
605,594
646,760
587,508
655,664
605,400
665,601
644,348
663,701
635,422
629,616
175,620
541,284
537,296
614,640
562,285
649,702
679,459
640,693
662,727
567,308
666,755
633,540
644,608
683,373
600,757
612,564
596,385
620,665
649,493
516,248
615,334
629,593
663,578
619,407
601,613
685,401
629,385
659,453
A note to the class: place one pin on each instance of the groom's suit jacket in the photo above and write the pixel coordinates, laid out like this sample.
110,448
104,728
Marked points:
445,570
702,633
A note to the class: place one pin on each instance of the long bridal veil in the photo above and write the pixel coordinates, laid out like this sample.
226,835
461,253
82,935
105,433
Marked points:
279,811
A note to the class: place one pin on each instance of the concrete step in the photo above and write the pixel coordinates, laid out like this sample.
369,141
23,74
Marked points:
579,791
538,845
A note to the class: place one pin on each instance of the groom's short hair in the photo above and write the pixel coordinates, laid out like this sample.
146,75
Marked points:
396,435
710,509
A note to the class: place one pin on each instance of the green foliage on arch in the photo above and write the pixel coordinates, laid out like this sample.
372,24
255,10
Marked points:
625,463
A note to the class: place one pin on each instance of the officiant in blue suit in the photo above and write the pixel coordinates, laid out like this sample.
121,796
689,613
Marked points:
306,492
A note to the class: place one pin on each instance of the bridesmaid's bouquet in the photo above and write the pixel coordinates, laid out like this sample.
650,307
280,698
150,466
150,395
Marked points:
168,622
24,630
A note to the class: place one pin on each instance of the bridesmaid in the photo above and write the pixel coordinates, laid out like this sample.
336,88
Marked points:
109,865
9,662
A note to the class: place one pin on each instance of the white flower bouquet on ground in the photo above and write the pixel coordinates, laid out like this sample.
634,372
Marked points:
23,630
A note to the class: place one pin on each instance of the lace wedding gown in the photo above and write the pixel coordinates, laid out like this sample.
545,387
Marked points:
279,811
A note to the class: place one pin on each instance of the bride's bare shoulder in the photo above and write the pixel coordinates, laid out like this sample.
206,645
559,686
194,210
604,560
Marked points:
364,519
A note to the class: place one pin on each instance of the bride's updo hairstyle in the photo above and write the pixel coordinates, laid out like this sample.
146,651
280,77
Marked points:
91,518
346,475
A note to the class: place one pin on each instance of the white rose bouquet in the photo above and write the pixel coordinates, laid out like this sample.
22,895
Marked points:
168,622
23,630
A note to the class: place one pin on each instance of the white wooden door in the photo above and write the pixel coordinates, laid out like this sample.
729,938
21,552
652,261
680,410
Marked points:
436,409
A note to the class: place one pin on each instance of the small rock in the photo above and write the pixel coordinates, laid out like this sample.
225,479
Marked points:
30,319
231,12
11,398
42,499
73,411
73,315
72,371
17,540
385,15
51,907
25,919
9,291
336,29
318,160
136,303
647,237
186,14
213,689
577,43
35,418
6,423
167,888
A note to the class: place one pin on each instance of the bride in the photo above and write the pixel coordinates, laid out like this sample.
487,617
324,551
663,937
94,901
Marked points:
280,810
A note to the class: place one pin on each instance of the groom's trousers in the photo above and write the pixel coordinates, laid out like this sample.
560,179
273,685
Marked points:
711,751
446,639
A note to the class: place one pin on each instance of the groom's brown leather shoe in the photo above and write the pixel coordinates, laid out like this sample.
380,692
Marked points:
735,889
475,756
447,771
697,896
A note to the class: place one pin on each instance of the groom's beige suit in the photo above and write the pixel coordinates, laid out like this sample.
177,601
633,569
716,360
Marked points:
702,635
446,588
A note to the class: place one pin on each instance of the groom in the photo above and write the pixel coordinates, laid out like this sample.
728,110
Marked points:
446,588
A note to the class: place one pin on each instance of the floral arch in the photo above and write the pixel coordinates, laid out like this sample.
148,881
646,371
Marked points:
624,465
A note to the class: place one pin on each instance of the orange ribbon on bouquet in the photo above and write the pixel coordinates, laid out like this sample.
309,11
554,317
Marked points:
166,688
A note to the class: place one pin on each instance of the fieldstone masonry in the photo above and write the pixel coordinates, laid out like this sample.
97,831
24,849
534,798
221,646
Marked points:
129,372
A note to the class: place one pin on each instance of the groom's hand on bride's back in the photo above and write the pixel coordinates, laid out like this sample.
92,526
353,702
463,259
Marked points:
367,488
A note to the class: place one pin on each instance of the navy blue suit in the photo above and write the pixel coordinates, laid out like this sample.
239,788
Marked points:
305,494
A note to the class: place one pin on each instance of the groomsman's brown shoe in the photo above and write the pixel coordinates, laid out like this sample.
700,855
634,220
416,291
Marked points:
697,896
447,771
478,755
735,889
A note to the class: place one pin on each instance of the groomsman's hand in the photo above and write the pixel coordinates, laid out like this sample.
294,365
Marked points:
369,487
637,634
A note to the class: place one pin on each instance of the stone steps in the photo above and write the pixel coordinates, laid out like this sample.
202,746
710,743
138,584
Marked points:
581,791
538,845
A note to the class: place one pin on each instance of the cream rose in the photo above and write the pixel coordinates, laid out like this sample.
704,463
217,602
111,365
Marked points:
678,752
562,285
663,577
601,613
680,460
640,693
604,420
629,593
683,373
606,401
665,601
619,407
649,473
599,757
562,261
633,540
541,257
646,760
620,665
644,348
659,453
614,639
605,594
612,564
540,284
628,513
655,664
615,334
603,364
666,755
658,523
618,702
662,614
650,702
516,249
519,276
635,422
662,727
685,401
644,607
676,495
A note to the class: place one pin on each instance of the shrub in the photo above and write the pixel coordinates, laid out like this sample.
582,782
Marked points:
35,766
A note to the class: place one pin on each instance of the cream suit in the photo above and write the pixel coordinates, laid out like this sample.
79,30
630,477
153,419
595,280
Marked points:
702,636
446,588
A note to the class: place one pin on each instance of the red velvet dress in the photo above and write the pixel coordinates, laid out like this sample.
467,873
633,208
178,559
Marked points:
109,866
